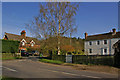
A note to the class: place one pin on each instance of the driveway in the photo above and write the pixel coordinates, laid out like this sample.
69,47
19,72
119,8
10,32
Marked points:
31,68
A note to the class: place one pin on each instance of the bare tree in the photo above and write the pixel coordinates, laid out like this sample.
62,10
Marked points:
55,19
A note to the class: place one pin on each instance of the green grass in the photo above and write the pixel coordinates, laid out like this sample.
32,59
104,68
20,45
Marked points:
10,58
50,61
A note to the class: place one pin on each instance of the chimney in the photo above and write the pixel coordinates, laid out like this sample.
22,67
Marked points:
86,34
23,33
114,31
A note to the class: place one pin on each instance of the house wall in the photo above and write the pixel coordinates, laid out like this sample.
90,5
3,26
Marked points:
99,49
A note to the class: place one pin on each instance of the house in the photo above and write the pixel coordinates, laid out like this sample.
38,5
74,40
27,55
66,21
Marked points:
101,44
25,42
116,47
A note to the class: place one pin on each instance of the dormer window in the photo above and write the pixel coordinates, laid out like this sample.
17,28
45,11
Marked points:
32,43
23,42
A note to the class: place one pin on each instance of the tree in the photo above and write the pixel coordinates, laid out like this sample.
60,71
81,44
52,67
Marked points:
67,48
54,19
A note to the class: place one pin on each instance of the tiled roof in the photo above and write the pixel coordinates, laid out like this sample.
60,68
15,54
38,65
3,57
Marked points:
19,38
109,35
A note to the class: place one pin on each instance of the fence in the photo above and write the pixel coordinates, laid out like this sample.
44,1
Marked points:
59,57
93,59
89,59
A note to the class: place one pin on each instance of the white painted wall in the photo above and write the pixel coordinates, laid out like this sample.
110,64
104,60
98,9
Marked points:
99,49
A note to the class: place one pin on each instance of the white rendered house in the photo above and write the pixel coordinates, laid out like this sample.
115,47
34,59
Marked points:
101,44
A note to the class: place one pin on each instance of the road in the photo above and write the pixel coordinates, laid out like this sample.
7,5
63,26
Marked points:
31,68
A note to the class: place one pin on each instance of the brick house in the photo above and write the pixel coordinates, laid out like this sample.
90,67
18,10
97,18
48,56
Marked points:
25,42
101,44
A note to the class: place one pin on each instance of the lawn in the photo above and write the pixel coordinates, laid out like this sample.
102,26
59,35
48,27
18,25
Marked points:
51,61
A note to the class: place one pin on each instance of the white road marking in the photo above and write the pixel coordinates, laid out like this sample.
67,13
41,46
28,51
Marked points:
10,69
90,76
70,74
73,74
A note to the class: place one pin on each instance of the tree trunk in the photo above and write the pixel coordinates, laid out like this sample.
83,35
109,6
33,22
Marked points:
59,40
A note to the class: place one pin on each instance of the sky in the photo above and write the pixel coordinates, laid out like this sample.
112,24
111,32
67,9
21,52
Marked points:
92,17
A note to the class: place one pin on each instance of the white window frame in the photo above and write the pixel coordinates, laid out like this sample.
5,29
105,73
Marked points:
104,42
89,43
104,51
23,42
97,42
91,51
32,43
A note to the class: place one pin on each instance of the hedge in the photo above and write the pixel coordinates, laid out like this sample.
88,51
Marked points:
90,59
10,46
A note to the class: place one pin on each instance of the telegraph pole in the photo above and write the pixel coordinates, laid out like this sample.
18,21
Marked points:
119,16
70,38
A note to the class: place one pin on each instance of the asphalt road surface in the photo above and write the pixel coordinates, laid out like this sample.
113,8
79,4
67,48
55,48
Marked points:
31,68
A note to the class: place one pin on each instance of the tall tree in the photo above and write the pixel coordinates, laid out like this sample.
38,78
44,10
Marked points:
54,19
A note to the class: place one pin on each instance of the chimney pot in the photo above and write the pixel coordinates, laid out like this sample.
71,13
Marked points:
86,34
114,31
23,33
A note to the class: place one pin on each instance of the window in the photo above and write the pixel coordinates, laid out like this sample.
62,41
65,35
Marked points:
32,44
90,50
23,43
98,42
105,50
90,43
105,41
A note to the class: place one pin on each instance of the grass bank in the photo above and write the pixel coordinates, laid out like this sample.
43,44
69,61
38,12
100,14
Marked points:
51,61
8,56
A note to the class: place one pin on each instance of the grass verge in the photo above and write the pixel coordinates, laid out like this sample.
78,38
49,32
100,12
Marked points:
51,61
10,58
